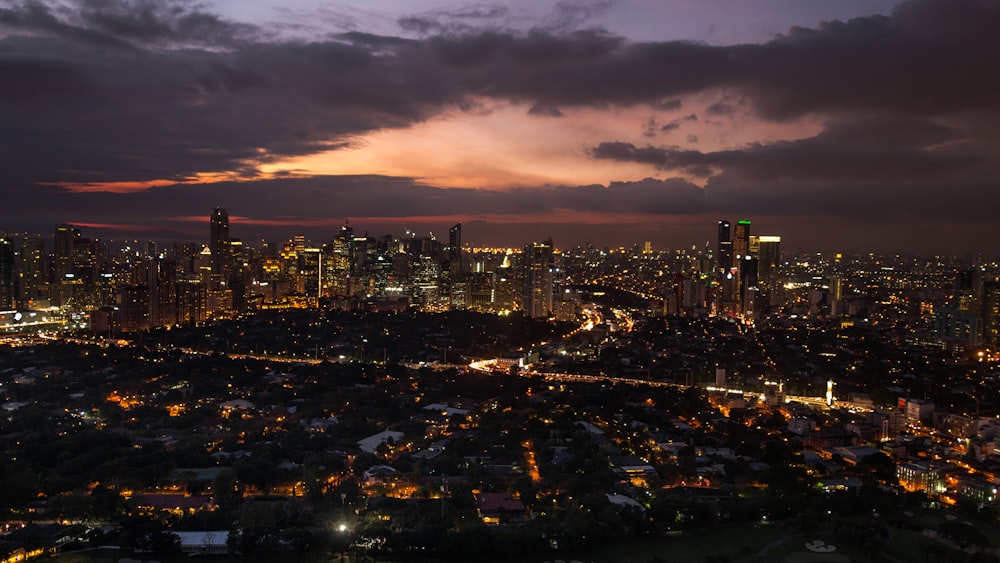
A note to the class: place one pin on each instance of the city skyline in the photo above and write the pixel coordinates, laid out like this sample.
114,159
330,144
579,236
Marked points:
856,127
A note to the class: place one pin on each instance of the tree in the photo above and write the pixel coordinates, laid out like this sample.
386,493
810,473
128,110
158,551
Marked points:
962,534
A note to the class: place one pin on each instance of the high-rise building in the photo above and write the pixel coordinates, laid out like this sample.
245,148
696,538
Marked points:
539,266
219,244
455,248
741,240
219,293
32,272
768,256
960,324
163,292
505,287
133,307
65,242
6,274
75,269
339,267
991,314
768,271
725,249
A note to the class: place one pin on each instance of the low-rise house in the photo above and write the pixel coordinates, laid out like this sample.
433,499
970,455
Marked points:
497,508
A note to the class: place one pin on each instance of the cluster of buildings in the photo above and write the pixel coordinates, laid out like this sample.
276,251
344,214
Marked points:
85,283
971,318
141,284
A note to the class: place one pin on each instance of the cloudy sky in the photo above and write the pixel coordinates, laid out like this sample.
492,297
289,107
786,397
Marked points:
842,126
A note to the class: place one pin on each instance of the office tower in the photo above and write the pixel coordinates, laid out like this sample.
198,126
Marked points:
960,324
480,291
340,261
163,292
6,274
504,286
835,296
310,275
65,241
768,256
744,270
31,274
768,270
75,267
219,244
240,281
191,301
538,266
741,240
133,307
725,248
425,284
220,269
455,248
726,301
991,314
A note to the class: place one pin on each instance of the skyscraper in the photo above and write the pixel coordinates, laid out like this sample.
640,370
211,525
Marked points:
455,249
32,271
219,295
991,314
539,265
768,257
741,240
65,241
6,274
219,244
768,269
75,268
725,249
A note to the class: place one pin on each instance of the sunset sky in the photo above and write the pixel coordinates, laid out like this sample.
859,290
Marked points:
847,125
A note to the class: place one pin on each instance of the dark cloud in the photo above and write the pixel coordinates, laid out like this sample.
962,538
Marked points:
722,109
139,90
893,150
87,112
667,105
102,90
337,196
899,172
453,20
676,124
862,215
571,15
161,21
543,110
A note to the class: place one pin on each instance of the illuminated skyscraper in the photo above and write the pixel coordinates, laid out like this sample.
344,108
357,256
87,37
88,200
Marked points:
6,274
219,244
991,314
741,240
768,270
768,256
65,241
75,266
455,248
960,324
218,294
725,249
539,266
32,271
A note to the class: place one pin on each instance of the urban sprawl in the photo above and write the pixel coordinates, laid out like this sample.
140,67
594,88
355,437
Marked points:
409,398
